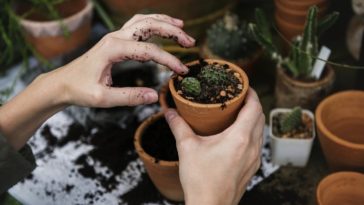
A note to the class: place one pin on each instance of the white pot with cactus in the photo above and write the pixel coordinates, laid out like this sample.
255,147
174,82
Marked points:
292,134
298,82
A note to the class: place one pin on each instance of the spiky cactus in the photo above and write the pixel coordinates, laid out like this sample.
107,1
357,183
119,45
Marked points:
214,74
291,120
229,39
304,47
191,86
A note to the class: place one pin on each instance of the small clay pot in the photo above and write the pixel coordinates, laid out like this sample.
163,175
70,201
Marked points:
164,174
290,92
48,38
165,98
341,188
245,63
209,119
340,126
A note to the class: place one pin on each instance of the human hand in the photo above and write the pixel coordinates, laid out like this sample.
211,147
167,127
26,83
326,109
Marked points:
216,169
87,80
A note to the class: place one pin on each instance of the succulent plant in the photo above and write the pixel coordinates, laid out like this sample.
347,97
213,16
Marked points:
229,39
305,47
191,86
214,74
291,120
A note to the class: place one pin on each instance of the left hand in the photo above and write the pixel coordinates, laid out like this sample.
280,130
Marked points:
87,80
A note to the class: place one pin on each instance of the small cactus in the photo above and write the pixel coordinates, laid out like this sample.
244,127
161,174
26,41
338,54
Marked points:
291,120
191,86
229,39
214,75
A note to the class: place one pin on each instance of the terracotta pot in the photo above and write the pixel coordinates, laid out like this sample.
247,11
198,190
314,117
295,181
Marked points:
164,174
209,119
245,63
47,36
290,16
341,188
165,98
290,92
285,151
340,126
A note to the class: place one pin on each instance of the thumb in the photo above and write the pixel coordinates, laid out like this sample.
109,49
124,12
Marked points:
129,96
180,129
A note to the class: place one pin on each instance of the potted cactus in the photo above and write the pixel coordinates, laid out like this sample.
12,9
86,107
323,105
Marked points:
210,96
291,135
229,39
295,83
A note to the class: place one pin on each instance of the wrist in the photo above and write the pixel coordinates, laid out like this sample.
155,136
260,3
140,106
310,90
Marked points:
210,199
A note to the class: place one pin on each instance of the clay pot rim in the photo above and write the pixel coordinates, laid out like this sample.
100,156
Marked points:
321,125
281,6
275,111
331,177
32,23
302,2
324,80
244,79
288,24
137,139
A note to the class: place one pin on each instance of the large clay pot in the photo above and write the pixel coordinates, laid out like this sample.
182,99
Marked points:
164,174
196,15
291,15
209,119
340,126
290,92
47,37
341,188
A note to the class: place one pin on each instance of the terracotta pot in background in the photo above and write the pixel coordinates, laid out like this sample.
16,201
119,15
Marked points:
245,63
290,15
290,92
286,151
340,126
208,119
163,174
48,38
341,188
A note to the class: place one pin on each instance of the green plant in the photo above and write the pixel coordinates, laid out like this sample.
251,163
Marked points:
291,120
214,74
228,38
304,48
191,86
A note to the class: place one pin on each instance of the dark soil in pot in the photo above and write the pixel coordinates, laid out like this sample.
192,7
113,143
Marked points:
158,141
219,92
304,131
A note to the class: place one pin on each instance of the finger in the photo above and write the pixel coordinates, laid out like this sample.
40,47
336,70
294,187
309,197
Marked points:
116,50
259,129
145,28
249,114
127,96
161,17
180,129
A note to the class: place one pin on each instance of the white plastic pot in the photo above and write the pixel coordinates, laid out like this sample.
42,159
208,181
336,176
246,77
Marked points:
295,152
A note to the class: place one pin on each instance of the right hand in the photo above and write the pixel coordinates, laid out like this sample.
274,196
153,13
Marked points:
217,168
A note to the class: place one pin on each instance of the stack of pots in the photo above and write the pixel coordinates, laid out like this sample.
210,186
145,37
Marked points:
290,15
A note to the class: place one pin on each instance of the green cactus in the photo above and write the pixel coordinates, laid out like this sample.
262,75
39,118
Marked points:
229,38
191,86
305,47
291,120
214,74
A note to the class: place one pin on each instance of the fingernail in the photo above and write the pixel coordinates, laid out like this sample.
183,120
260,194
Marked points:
192,40
150,97
170,114
178,21
184,69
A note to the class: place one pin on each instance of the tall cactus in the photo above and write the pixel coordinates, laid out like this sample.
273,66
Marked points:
304,47
291,120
